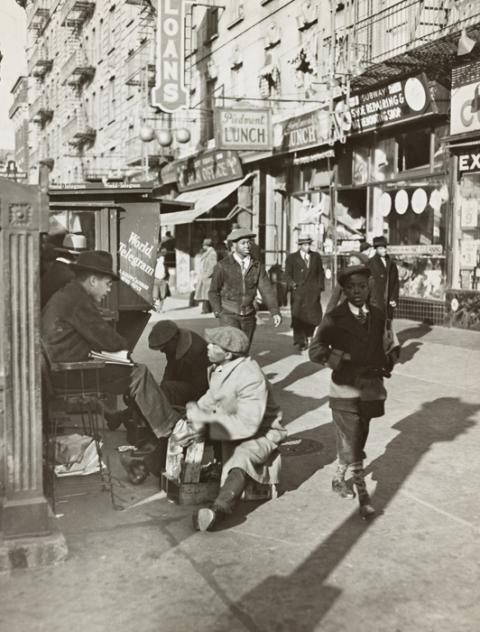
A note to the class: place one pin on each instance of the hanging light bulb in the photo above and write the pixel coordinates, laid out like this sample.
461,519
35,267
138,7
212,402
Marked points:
147,133
182,135
165,138
465,44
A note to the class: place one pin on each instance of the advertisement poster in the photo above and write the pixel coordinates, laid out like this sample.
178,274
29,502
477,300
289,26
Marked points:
465,97
139,228
468,254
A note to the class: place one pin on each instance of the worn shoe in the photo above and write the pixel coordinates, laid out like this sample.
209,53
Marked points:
366,510
205,518
340,487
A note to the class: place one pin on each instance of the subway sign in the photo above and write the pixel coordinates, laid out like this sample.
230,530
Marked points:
169,93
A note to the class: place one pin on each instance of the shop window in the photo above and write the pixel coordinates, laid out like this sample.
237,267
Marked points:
466,273
414,219
413,149
74,222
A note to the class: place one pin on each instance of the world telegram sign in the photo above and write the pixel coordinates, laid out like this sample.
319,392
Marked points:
169,93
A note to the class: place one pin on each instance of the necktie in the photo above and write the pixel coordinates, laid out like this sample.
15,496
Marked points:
362,316
307,259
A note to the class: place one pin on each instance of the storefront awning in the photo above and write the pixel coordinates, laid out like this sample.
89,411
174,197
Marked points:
203,199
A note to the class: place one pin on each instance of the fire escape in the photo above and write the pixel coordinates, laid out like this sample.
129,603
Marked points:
77,70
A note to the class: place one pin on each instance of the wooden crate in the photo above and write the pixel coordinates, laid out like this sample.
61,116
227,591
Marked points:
190,493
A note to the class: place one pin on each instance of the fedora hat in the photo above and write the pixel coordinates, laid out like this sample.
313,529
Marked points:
73,243
380,241
99,261
304,239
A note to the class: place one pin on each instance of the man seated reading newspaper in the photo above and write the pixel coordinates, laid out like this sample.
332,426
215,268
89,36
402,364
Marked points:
73,327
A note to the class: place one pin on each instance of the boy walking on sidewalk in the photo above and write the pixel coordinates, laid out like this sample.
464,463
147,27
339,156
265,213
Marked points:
350,341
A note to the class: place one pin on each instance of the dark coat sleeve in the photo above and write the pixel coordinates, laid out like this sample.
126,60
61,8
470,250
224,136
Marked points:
394,284
216,284
267,291
101,336
289,272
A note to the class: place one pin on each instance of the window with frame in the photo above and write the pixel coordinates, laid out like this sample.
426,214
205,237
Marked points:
211,17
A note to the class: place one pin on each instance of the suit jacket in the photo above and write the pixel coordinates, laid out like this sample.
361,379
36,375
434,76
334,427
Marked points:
386,286
72,326
57,276
341,331
232,292
306,285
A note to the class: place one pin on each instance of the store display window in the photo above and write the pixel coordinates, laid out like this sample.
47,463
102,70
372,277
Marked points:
413,218
466,242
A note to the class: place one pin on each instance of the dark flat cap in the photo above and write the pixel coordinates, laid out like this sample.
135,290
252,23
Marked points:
161,333
240,233
379,241
228,338
347,272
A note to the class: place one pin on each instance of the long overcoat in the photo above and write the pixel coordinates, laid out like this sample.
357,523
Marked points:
306,284
385,282
206,264
248,420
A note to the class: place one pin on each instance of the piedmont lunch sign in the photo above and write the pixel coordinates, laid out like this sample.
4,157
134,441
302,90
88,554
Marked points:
169,93
243,129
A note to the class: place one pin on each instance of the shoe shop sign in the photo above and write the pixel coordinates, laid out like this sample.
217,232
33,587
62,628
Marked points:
169,93
394,103
465,99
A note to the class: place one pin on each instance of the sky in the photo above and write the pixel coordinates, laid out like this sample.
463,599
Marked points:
13,64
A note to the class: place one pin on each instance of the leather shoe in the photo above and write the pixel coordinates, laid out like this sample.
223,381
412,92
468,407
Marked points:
205,518
342,489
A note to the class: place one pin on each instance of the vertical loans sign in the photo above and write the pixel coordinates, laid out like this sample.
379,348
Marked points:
169,93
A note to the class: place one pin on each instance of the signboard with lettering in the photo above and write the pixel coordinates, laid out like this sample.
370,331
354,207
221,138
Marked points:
206,169
394,103
469,160
432,250
138,244
169,93
465,99
243,129
300,132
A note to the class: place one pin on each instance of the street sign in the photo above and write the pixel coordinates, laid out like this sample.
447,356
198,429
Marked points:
169,93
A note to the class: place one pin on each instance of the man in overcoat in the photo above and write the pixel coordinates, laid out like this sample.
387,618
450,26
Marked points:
386,287
239,410
350,341
207,262
235,282
73,326
306,280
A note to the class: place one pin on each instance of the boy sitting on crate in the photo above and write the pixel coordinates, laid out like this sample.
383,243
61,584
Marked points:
239,410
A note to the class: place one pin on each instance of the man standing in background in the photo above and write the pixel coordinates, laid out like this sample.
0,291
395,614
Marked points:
235,282
306,281
384,294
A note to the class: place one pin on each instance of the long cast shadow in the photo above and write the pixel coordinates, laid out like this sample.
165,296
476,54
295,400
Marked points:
300,600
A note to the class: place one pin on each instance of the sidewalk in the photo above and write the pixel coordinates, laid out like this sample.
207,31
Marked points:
304,562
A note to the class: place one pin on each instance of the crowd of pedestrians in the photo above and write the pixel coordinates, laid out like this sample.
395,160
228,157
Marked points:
211,388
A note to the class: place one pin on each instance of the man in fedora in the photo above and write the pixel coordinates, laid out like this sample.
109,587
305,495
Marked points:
234,285
60,272
384,271
238,410
306,281
73,326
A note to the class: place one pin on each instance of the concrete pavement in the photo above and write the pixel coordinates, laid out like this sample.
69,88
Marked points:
304,562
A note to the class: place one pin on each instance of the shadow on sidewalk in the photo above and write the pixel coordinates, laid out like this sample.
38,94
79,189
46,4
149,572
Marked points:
300,600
